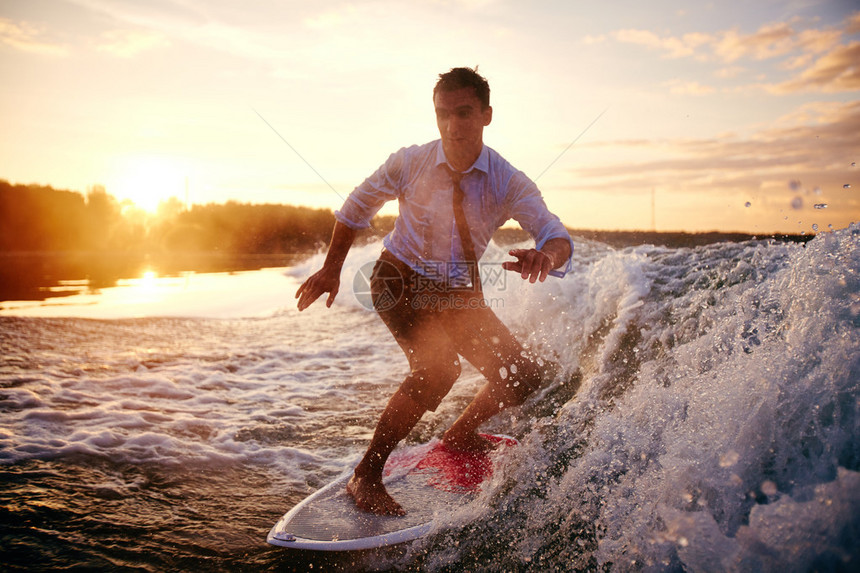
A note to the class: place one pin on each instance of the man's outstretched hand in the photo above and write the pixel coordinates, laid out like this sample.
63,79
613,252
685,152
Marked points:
535,265
322,281
532,264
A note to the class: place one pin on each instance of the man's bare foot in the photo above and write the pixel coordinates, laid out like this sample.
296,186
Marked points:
370,496
471,442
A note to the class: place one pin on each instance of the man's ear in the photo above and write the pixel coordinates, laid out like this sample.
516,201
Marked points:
488,115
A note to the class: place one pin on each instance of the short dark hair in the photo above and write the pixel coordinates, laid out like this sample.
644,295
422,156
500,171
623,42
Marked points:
459,78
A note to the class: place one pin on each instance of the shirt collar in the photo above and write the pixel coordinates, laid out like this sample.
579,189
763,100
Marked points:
481,164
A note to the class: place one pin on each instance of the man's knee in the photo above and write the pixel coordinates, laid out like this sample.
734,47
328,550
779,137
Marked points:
519,379
429,384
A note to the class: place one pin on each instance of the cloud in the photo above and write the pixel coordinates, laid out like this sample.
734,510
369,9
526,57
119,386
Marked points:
129,43
769,41
728,46
590,40
681,87
853,24
815,144
674,46
730,72
330,19
27,38
812,113
818,58
187,22
836,71
472,5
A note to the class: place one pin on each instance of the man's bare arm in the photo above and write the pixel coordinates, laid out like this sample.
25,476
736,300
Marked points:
534,265
327,279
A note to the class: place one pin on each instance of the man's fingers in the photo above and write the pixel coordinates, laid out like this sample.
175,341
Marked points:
308,293
307,300
528,264
544,269
317,284
545,266
330,300
532,264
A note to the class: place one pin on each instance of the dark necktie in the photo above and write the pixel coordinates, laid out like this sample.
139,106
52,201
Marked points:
463,230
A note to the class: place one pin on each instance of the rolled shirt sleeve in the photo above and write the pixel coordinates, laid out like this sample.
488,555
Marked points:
528,208
368,198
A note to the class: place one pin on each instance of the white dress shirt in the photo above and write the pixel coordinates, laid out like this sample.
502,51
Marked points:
425,233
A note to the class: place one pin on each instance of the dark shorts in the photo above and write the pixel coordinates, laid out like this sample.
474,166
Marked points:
434,326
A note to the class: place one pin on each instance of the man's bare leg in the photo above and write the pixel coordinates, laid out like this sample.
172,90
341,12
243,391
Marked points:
397,420
463,434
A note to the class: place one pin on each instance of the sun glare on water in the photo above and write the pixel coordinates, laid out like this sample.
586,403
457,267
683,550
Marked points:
146,288
147,181
147,280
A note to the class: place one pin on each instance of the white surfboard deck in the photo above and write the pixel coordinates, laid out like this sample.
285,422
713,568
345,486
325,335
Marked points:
428,480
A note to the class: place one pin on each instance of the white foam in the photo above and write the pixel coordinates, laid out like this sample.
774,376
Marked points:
742,391
716,423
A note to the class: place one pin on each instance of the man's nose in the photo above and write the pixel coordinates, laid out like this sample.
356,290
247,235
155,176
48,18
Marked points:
453,125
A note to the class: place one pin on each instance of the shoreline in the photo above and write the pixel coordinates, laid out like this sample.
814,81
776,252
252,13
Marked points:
678,239
672,239
40,275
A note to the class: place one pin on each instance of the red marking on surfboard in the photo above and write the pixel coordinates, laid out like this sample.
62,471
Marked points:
457,471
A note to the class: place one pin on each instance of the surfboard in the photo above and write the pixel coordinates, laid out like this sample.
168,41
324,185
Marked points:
429,481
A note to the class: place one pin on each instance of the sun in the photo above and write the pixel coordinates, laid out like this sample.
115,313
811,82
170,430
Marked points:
148,180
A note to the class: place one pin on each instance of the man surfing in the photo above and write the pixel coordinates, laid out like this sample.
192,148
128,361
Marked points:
453,194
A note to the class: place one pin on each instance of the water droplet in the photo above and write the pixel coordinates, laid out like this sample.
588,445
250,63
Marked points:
821,205
769,488
729,459
747,204
794,185
815,227
797,203
847,186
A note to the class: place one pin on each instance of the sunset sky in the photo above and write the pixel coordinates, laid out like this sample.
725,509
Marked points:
731,115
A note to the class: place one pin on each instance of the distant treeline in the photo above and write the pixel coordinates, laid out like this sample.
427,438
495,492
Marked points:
676,239
49,237
36,218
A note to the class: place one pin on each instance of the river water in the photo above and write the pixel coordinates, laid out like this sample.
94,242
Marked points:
704,417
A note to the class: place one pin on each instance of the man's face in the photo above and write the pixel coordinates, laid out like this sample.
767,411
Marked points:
461,122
